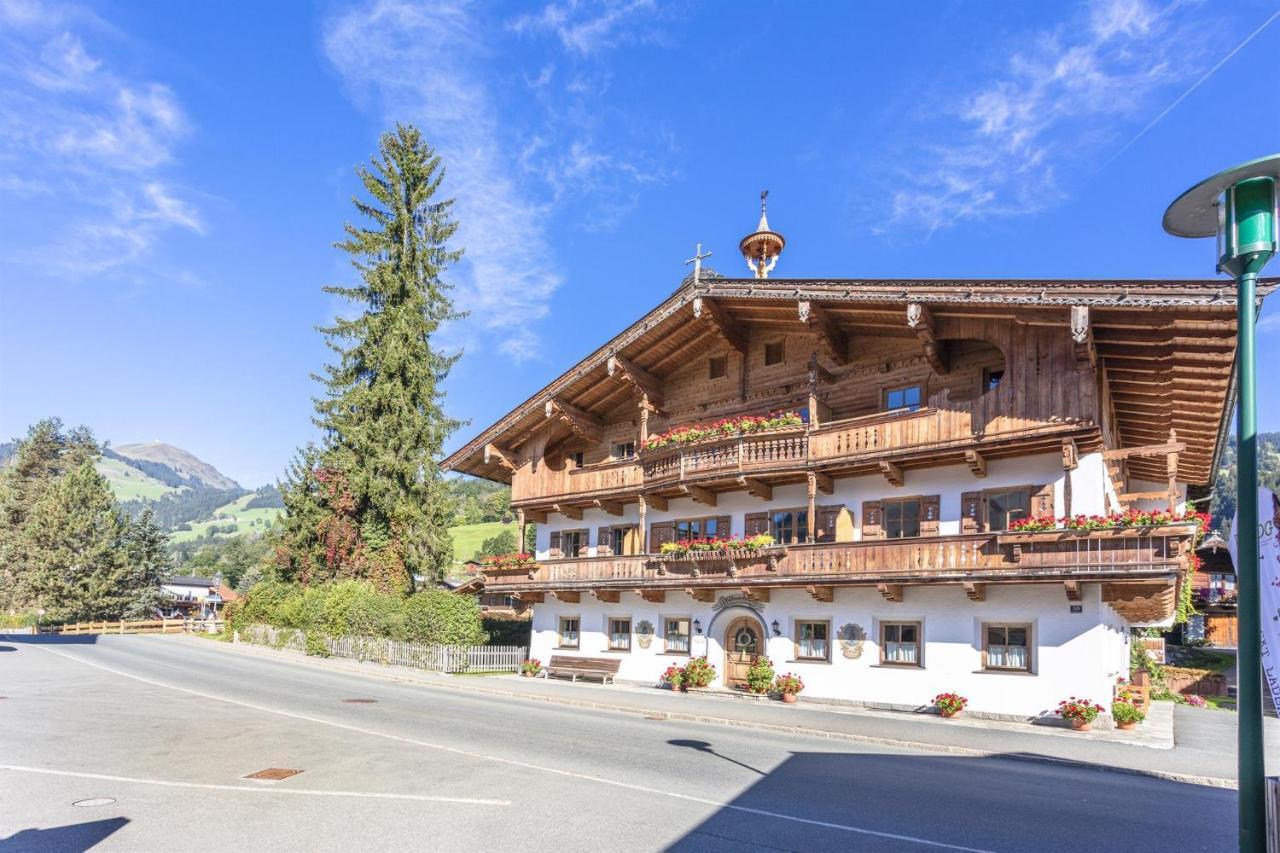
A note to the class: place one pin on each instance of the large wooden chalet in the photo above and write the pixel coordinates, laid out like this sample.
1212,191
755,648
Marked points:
933,415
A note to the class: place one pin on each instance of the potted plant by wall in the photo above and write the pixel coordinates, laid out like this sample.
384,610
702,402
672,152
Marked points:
949,704
788,686
1081,712
698,673
531,667
1125,713
760,676
673,678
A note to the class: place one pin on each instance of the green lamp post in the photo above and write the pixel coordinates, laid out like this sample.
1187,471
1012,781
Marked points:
1240,207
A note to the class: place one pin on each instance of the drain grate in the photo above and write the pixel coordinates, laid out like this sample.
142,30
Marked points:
360,701
273,774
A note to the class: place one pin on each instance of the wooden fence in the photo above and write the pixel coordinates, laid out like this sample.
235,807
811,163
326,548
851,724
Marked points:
142,626
450,659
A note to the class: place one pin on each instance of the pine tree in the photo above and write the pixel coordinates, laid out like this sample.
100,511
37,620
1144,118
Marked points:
371,503
147,556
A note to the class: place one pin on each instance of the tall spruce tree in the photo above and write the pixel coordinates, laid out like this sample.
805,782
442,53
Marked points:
370,503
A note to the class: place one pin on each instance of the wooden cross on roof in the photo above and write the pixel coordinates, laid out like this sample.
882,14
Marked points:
696,260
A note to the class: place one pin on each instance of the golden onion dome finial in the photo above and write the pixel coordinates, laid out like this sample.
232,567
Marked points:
762,247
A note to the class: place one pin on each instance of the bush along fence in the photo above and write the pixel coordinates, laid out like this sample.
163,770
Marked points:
448,659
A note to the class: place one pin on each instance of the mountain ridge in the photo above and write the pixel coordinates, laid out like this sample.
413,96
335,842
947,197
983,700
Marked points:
183,463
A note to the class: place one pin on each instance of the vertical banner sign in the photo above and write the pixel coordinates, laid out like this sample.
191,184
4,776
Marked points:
1268,534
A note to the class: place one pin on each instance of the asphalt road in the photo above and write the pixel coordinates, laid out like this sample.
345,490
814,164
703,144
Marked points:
168,727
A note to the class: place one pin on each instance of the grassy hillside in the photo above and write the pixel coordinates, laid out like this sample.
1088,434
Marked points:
181,462
129,483
467,538
233,513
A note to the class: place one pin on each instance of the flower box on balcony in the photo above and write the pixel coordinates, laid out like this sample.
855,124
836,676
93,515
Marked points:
729,429
1063,533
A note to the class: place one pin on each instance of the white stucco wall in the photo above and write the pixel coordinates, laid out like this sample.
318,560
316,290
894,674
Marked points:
1078,654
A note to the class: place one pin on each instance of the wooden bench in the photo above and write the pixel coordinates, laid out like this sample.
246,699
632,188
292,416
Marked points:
605,669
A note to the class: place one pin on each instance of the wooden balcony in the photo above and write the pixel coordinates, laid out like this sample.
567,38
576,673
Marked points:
1157,553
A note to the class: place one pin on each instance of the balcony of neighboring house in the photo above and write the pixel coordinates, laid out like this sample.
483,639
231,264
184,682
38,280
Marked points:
1139,567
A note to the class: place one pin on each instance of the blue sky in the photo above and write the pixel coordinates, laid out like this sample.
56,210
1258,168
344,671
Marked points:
174,175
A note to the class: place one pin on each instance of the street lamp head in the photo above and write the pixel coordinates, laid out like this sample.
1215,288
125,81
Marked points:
1240,207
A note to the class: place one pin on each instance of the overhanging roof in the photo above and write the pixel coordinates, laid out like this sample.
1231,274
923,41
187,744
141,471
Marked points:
1168,348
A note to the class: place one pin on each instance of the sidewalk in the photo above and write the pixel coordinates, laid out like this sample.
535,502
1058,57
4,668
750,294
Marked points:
1203,751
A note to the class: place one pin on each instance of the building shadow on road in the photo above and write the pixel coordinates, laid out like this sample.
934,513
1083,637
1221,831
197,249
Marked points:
50,639
867,801
72,838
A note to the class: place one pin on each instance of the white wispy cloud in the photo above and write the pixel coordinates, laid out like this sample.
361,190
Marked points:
1054,103
90,143
590,26
436,64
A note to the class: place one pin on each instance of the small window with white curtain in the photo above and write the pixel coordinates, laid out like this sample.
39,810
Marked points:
1006,648
900,643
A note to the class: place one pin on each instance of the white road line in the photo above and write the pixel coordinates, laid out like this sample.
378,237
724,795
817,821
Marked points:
892,836
256,789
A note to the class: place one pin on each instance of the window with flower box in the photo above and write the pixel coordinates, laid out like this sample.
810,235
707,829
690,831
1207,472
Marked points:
900,643
569,635
1006,647
619,634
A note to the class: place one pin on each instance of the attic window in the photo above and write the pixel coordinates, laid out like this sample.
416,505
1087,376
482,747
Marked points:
773,353
718,367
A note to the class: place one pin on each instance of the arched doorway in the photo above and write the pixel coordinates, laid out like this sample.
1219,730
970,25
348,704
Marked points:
743,645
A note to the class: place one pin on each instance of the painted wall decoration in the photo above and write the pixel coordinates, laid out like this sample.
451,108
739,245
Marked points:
644,633
852,637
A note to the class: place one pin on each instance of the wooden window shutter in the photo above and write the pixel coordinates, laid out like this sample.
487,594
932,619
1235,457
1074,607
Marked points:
972,513
661,532
585,543
872,523
930,509
755,523
1042,502
828,516
604,541
554,545
724,526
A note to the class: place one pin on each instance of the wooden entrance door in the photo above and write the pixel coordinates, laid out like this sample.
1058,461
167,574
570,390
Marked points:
742,646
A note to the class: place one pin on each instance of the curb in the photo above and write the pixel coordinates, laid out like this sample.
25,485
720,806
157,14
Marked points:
446,683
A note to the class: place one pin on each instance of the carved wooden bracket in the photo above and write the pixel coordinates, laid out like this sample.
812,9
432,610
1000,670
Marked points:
608,595
1070,455
821,593
493,454
647,386
569,597
822,483
759,489
890,591
921,321
537,516
818,372
529,597
611,507
706,497
976,591
581,422
568,511
832,338
1072,589
1082,335
658,503
702,594
657,596
977,463
757,593
722,325
892,472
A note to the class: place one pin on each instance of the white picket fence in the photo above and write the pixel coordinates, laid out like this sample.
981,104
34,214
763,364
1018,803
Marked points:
438,658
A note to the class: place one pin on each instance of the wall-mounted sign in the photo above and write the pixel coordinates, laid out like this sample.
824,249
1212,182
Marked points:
1077,608
737,599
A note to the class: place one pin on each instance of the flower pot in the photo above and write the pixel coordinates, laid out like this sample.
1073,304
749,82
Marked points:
789,698
1124,727
949,714
1082,725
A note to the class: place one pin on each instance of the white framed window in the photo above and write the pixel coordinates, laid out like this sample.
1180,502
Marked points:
1006,646
676,634
570,637
901,643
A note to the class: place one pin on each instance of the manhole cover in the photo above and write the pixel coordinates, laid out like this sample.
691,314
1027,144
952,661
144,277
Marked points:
360,701
94,801
273,774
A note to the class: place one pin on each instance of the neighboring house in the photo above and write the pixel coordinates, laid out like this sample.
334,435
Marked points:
474,585
1216,622
932,416
191,597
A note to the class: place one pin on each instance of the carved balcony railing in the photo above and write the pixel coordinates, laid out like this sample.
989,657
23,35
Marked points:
779,448
1091,554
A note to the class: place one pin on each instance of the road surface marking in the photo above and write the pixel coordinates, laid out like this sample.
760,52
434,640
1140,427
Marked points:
255,789
525,764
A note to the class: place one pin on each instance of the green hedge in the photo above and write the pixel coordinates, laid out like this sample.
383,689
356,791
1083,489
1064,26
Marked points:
356,608
507,630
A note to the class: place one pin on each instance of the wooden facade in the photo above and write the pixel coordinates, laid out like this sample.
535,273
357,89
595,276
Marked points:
1139,372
